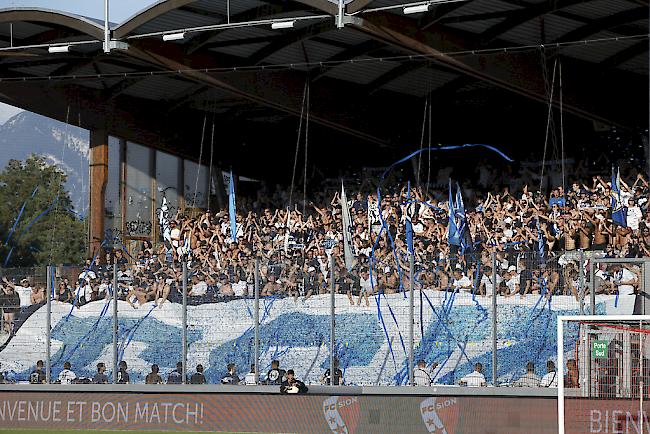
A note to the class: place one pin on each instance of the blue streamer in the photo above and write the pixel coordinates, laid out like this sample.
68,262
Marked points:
532,313
444,325
38,217
9,256
385,226
132,333
88,333
446,148
20,214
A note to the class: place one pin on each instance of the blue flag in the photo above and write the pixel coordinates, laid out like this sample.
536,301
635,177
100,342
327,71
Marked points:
232,209
452,230
619,212
464,235
409,224
541,244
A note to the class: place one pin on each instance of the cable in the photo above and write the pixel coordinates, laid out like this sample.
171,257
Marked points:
562,135
198,170
330,63
295,158
304,184
429,151
424,124
548,123
211,157
58,193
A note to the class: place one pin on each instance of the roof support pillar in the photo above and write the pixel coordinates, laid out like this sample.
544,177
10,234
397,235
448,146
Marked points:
98,181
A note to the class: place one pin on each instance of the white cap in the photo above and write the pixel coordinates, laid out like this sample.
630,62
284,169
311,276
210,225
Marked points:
512,268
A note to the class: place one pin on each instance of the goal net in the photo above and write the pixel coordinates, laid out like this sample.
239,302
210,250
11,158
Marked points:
604,383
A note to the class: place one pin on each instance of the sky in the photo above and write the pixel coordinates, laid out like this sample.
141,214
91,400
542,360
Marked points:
119,10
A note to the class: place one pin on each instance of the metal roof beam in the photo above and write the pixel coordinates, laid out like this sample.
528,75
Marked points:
209,14
235,42
450,88
72,66
289,38
520,74
624,55
49,36
200,40
393,74
606,23
357,5
439,12
526,14
10,63
184,97
352,52
477,17
53,18
121,86
280,90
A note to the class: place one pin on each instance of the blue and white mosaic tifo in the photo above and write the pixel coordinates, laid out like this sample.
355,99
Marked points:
371,342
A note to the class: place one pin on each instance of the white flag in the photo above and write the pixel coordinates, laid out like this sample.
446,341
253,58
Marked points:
348,246
163,220
374,221
287,228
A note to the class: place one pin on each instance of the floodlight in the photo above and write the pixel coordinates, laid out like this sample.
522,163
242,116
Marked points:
283,24
416,9
59,49
174,36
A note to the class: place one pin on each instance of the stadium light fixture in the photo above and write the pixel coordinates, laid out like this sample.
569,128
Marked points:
174,36
59,49
416,9
283,24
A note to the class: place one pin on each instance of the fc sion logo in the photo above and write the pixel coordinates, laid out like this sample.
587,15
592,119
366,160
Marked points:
440,414
341,414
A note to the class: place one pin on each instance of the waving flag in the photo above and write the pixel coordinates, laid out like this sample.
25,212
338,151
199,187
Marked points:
541,244
410,208
452,230
287,230
163,220
348,246
464,235
619,212
232,209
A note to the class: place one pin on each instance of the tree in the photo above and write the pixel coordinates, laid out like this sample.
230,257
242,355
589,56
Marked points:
46,231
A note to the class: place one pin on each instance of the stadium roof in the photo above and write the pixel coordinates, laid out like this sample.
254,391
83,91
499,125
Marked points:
479,61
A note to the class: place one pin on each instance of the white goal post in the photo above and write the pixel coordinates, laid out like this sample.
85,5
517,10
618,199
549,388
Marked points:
588,387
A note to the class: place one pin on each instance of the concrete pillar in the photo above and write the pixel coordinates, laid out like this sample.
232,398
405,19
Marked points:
98,181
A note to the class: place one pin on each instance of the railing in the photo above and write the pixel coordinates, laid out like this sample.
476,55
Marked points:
309,314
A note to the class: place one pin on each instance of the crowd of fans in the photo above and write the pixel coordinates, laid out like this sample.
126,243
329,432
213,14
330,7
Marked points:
535,237
535,241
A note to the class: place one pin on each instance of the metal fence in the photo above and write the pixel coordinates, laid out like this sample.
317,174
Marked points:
395,321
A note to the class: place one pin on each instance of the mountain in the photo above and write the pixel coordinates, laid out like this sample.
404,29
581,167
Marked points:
65,145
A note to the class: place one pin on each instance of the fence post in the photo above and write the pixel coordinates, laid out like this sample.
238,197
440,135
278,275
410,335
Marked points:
257,320
494,319
411,316
115,325
48,325
592,284
184,325
332,319
641,337
581,270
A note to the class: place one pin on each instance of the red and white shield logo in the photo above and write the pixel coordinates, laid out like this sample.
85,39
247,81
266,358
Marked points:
440,414
341,413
